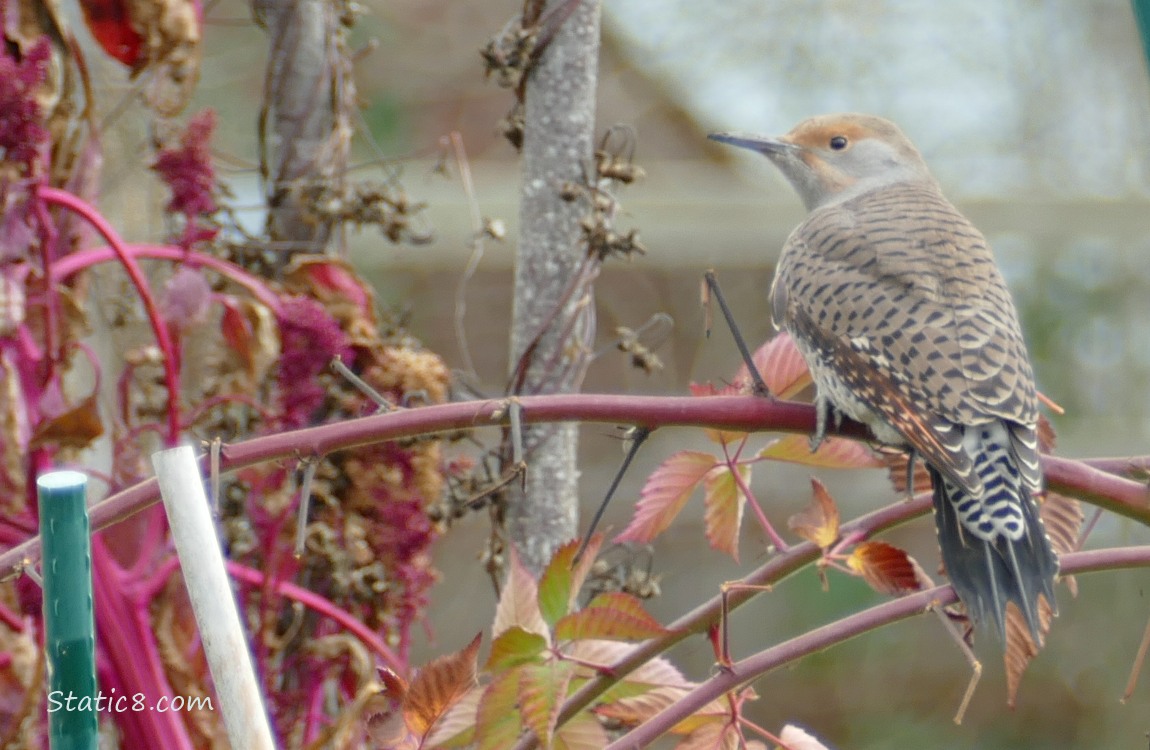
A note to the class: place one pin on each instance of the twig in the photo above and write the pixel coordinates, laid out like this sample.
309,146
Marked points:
760,388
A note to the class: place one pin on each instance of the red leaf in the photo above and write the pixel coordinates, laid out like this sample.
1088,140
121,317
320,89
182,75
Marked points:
611,616
885,567
111,27
665,493
782,367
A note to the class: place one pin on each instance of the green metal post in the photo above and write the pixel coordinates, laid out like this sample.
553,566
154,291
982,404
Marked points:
69,629
1142,18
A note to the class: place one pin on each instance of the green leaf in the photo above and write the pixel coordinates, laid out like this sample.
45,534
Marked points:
542,688
514,646
561,581
498,721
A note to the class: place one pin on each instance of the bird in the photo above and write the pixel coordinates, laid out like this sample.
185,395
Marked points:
897,305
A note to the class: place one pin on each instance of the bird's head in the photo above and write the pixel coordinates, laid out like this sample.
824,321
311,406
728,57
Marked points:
831,158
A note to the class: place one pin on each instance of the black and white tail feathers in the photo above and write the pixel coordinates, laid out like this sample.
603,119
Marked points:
995,547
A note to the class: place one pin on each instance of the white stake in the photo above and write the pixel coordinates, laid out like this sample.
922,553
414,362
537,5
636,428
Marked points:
209,589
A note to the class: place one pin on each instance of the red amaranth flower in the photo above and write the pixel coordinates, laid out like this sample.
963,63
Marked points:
311,338
188,170
21,133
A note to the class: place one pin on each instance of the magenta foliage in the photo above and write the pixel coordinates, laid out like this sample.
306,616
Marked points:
311,338
21,134
188,170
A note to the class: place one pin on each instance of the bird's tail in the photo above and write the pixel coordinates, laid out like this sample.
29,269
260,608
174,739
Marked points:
995,547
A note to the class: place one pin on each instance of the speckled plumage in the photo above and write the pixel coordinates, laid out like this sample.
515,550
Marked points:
897,305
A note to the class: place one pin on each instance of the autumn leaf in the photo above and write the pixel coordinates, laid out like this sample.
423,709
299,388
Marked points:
724,501
833,453
512,647
582,732
542,688
713,735
655,673
613,616
519,602
665,493
76,427
560,583
456,729
885,567
497,720
438,686
819,521
1020,647
782,367
1062,517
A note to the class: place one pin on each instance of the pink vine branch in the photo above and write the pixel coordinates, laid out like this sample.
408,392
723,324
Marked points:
67,200
747,413
841,631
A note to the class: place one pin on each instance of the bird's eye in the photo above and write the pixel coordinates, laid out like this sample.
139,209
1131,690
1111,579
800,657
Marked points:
839,142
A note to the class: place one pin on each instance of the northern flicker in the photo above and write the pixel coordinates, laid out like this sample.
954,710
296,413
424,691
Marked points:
896,304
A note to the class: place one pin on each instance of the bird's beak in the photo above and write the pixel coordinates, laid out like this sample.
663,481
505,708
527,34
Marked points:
761,143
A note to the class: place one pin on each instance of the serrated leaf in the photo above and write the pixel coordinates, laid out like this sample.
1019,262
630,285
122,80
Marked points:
613,616
498,721
1062,517
582,732
542,688
833,453
885,567
457,727
654,673
782,367
560,583
819,521
514,646
438,686
665,493
724,501
519,602
1020,647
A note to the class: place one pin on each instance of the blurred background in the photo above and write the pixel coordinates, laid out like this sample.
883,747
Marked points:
1032,115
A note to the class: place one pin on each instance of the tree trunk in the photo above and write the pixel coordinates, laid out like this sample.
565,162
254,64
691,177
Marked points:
553,326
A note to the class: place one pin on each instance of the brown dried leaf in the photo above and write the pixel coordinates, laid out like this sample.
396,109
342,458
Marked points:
1020,648
819,521
886,568
895,462
1062,516
74,428
438,686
